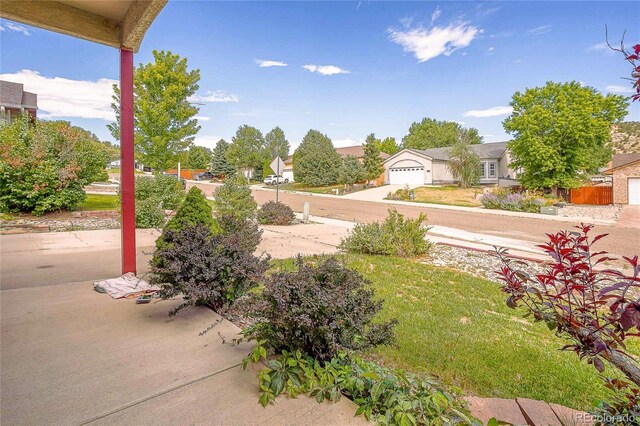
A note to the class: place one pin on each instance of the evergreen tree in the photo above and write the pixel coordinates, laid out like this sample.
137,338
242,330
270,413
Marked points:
164,121
219,165
316,161
351,171
372,165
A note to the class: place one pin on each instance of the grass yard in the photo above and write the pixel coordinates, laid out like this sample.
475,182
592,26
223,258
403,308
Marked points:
458,328
99,202
117,170
296,186
449,195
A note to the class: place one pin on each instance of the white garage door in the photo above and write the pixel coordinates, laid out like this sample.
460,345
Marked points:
406,176
634,191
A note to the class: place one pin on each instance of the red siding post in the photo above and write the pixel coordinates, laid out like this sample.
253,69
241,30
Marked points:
127,183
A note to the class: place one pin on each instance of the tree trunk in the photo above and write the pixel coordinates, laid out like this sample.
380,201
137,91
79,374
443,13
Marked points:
627,365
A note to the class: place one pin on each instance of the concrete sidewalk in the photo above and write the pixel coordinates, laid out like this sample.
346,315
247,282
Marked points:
70,355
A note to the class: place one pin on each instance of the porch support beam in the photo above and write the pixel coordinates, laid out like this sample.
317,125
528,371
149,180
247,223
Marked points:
127,176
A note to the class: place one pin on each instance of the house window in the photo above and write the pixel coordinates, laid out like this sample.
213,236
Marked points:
483,170
492,170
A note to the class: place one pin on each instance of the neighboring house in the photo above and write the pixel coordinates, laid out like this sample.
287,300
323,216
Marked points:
429,166
625,169
14,101
356,151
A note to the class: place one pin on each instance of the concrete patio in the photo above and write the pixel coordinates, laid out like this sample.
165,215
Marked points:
73,356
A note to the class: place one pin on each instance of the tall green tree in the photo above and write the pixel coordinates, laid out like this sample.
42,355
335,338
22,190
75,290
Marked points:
276,144
430,133
389,146
315,161
464,164
351,171
219,165
372,164
164,121
246,150
561,133
198,157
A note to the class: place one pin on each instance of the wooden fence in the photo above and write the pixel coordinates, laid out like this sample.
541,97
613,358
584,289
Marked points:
186,173
597,195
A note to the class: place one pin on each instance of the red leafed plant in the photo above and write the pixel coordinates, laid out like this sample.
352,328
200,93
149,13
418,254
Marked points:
634,59
597,309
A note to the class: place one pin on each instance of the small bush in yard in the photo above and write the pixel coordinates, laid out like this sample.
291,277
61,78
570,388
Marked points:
396,236
273,213
505,200
149,213
207,269
596,310
166,189
247,231
390,397
234,199
194,210
319,310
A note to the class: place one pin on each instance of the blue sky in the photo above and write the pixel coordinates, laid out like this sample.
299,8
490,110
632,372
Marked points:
344,68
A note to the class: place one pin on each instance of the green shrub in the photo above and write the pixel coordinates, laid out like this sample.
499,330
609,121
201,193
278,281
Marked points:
402,194
272,213
390,397
149,213
167,189
234,199
45,164
246,232
194,210
319,310
206,269
396,236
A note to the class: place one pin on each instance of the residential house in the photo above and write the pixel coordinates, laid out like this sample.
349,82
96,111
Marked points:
625,169
14,101
356,151
430,166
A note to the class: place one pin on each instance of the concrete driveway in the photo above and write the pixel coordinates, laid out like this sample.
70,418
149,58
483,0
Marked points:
629,217
70,355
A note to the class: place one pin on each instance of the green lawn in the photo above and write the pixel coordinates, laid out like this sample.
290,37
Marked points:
448,195
296,186
99,202
117,170
458,328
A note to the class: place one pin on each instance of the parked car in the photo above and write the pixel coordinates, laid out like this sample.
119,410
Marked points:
204,176
182,181
273,179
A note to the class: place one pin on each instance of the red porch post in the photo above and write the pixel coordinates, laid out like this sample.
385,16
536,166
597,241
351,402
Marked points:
127,182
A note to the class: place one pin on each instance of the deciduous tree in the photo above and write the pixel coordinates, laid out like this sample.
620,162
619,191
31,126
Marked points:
163,116
389,146
246,150
560,133
430,133
276,144
198,157
464,164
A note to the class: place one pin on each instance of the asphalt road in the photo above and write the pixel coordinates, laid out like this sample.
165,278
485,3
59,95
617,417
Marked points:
621,241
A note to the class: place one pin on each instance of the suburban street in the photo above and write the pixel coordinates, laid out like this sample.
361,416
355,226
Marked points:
621,241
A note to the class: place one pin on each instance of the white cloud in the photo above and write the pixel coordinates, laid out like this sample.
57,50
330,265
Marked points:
491,49
207,141
11,27
619,89
542,29
214,96
326,69
435,15
427,44
490,112
65,98
406,21
598,46
202,118
266,63
346,141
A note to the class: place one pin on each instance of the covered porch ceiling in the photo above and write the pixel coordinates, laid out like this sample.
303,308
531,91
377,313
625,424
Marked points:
115,23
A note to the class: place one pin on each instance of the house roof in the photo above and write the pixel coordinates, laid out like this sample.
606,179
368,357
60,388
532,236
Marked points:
357,151
12,95
484,151
622,160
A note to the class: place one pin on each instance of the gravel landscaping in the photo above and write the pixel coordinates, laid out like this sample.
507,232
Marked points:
594,212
